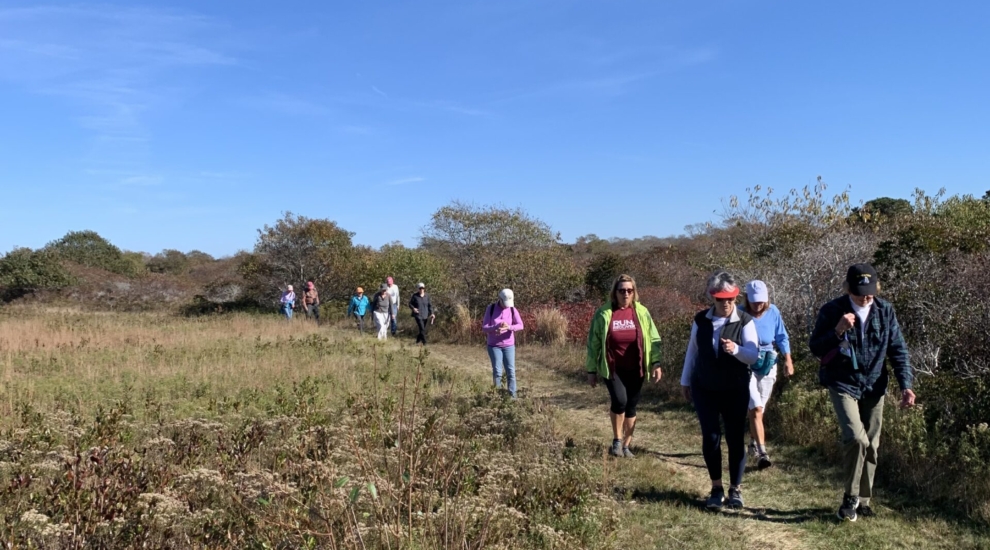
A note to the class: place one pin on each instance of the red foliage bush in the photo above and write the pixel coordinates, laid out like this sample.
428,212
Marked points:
668,305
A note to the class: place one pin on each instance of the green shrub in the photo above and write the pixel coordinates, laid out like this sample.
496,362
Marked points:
23,270
89,249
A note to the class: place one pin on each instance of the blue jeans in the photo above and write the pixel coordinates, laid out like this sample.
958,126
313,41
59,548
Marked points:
393,324
287,310
503,357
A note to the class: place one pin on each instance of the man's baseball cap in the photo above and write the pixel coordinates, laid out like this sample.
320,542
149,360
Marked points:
862,280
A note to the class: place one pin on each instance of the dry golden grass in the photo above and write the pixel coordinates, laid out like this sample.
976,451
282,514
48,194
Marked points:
47,356
551,327
147,430
462,324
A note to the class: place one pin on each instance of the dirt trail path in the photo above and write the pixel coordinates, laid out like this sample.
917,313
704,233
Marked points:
661,491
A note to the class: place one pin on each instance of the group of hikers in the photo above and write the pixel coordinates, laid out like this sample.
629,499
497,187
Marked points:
729,370
731,365
384,307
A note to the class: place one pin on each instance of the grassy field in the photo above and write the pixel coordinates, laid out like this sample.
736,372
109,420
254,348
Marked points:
251,432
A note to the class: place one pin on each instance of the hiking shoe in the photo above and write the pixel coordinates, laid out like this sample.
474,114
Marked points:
716,499
735,500
627,453
763,462
864,510
616,449
847,512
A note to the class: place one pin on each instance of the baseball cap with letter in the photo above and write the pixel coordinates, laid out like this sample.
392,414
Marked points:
862,280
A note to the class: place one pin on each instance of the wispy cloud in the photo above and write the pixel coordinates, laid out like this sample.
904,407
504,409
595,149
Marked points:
112,64
618,82
207,174
379,92
357,129
287,105
404,181
142,180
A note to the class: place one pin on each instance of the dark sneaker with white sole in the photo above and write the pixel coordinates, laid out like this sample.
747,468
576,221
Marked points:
847,512
763,462
735,500
864,511
716,499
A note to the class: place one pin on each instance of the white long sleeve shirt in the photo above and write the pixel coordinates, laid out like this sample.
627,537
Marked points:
748,352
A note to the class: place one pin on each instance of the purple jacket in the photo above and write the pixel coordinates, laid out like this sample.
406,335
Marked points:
495,315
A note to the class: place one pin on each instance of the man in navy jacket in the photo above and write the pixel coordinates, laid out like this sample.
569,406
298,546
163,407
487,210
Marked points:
854,336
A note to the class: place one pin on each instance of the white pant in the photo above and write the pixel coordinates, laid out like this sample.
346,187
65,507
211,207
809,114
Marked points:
760,388
381,323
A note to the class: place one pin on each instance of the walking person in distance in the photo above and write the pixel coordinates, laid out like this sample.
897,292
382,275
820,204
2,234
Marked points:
288,302
381,311
357,307
623,349
422,311
393,292
311,302
501,323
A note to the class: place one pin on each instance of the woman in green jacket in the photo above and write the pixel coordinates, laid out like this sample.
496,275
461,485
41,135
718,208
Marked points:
623,346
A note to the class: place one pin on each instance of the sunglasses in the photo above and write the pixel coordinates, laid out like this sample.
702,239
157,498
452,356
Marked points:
724,300
626,290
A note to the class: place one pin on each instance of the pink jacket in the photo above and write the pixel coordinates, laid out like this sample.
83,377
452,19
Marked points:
495,315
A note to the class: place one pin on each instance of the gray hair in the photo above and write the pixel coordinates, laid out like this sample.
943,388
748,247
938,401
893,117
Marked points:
721,281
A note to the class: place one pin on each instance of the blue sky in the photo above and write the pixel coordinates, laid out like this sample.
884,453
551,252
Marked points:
191,124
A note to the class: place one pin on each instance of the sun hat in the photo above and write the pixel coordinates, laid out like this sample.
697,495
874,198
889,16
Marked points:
383,287
730,293
289,288
420,285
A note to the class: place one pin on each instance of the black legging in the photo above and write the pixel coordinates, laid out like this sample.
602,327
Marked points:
732,407
624,389
423,327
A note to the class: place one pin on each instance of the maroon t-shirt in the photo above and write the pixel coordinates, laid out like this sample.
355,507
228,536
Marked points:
622,343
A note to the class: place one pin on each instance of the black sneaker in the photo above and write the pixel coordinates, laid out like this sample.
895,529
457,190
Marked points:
735,500
864,510
616,449
627,453
763,462
847,512
716,499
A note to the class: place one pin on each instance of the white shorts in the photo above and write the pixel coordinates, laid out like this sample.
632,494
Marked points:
760,388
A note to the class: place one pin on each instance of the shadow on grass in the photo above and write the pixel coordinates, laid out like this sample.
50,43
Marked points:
672,458
689,500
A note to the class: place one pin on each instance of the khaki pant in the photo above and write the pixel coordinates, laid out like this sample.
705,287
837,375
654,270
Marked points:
860,421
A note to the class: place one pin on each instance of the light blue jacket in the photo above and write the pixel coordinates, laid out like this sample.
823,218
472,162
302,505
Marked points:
358,305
